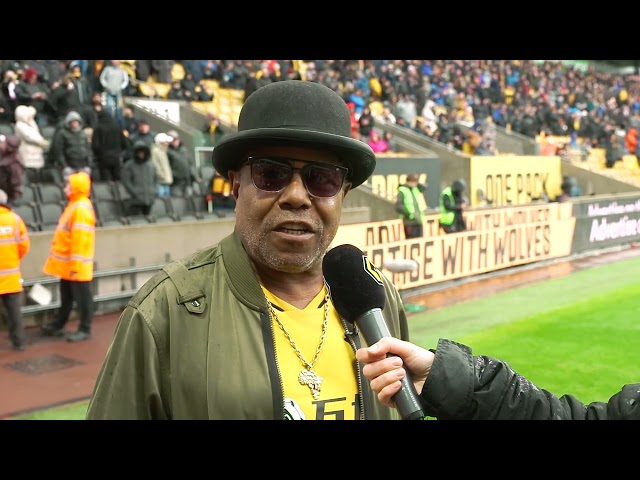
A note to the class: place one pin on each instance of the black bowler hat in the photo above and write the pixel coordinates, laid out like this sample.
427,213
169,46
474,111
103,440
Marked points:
297,113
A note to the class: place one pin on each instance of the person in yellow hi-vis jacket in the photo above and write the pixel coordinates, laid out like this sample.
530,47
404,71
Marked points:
14,244
71,259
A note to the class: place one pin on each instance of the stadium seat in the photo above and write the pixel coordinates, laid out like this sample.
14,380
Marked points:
235,116
109,209
123,196
29,195
376,108
161,211
162,89
47,132
109,213
6,129
237,95
184,208
138,219
211,86
630,162
225,101
51,175
227,118
49,215
103,190
205,107
130,67
29,213
200,205
177,71
206,174
597,157
51,193
226,111
146,89
121,192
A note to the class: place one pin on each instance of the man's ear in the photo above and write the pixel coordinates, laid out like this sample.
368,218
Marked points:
234,179
347,187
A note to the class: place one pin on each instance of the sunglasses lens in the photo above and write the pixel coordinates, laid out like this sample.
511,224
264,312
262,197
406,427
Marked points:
323,181
270,176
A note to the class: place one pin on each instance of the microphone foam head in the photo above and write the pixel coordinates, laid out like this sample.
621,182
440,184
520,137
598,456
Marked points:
355,283
401,265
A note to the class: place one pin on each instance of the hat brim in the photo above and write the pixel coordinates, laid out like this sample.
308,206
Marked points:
356,155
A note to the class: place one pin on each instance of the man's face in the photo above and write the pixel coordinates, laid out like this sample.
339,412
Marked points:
288,230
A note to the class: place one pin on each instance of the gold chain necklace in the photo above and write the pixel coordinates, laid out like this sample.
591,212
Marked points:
307,375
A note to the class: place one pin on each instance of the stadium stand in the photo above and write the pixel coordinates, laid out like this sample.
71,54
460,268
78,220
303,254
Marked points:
228,96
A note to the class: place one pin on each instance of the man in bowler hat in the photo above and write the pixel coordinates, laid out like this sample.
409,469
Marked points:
246,329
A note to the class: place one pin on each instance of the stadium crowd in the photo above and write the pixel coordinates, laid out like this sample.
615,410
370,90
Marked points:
71,114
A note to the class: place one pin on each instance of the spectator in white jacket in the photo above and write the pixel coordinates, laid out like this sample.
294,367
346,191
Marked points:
114,80
160,159
34,145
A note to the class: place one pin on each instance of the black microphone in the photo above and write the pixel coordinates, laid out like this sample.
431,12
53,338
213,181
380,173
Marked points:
358,294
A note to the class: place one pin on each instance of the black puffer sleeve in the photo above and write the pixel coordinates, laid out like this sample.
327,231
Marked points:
462,386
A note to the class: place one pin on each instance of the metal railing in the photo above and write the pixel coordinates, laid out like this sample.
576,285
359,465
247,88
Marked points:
122,296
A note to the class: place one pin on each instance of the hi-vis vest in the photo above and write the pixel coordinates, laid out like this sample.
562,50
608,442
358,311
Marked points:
220,185
410,195
14,244
446,216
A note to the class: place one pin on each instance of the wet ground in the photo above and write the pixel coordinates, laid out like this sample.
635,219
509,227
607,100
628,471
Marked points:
52,371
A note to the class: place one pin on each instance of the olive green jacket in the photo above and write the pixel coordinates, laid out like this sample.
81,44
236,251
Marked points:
200,345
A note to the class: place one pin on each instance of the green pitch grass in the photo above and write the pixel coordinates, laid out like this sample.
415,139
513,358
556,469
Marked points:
73,411
577,334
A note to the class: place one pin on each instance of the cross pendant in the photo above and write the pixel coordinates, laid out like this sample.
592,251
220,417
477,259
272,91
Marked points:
312,380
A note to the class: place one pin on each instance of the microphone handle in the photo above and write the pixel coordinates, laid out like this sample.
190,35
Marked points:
373,328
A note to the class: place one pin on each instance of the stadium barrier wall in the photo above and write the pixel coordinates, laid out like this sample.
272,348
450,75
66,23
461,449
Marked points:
606,221
497,238
513,180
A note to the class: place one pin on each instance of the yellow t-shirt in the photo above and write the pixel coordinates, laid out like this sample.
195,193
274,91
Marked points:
336,363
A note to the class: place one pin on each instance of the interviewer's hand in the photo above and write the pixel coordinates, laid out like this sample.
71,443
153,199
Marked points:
385,373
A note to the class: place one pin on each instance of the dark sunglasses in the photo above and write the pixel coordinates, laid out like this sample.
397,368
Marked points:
275,173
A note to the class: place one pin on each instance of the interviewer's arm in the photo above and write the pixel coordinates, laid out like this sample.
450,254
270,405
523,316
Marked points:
461,386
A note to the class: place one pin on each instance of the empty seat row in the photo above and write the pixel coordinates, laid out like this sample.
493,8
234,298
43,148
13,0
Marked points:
39,217
42,193
110,200
42,205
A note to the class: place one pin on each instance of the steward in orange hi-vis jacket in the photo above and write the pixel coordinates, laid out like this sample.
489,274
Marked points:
71,258
14,244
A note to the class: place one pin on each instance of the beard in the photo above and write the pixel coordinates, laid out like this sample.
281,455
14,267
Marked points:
276,255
